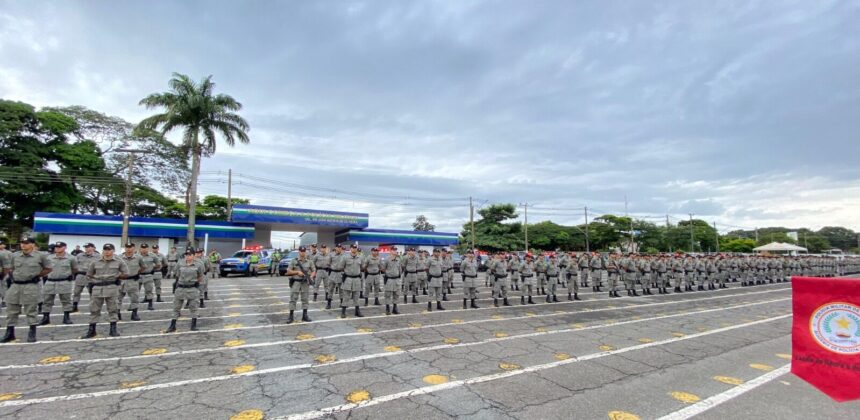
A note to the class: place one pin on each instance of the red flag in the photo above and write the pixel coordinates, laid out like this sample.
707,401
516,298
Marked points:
825,337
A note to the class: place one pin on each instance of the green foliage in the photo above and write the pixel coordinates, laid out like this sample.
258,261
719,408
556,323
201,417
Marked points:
421,224
737,245
491,231
839,237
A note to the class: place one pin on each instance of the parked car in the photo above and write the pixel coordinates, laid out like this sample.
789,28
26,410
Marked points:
456,258
240,262
285,262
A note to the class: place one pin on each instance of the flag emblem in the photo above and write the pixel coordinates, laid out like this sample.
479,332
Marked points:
836,327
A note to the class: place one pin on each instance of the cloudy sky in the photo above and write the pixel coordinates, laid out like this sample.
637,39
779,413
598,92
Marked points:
744,113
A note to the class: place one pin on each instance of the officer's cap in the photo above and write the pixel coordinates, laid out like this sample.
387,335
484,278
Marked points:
28,240
323,246
394,249
302,249
435,250
470,252
188,252
144,246
60,244
198,251
155,246
313,245
89,245
339,246
108,247
353,246
374,249
129,245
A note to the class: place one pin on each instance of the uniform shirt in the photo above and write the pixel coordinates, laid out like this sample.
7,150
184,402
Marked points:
514,265
447,263
469,268
527,268
321,262
372,265
552,269
5,261
305,263
149,263
172,257
540,265
107,270
25,267
337,261
84,261
133,263
583,261
65,266
597,262
411,263
391,267
434,266
352,265
499,268
188,274
162,260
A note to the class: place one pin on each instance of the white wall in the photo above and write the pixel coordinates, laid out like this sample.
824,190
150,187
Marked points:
164,244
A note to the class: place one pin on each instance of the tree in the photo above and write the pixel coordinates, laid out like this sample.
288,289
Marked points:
195,109
495,231
422,224
839,237
737,245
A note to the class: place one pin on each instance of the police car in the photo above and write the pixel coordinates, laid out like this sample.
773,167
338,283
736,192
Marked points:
240,262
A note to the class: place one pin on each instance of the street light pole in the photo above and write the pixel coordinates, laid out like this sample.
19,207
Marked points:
126,213
587,246
692,245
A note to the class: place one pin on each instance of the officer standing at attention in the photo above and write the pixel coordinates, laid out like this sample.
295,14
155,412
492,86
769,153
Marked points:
411,265
131,283
335,278
447,273
158,275
527,272
540,270
574,279
189,276
105,275
614,269
84,260
172,260
552,274
514,269
351,286
372,268
28,267
200,259
422,271
322,262
469,270
499,270
149,265
301,272
392,269
5,268
435,271
64,267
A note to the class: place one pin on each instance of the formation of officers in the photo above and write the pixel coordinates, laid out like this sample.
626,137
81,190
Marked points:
35,279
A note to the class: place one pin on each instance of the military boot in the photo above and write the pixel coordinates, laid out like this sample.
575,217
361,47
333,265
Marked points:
522,300
10,335
358,312
430,306
576,296
376,301
113,331
496,302
315,296
158,298
91,332
569,296
701,288
555,298
328,304
678,289
361,295
548,298
119,314
414,299
464,303
46,319
202,304
445,297
394,310
530,301
439,306
387,309
633,292
343,311
505,302
74,306
305,317
423,292
40,308
193,324
474,305
31,336
290,318
172,327
405,299
366,300
67,318
150,306
134,316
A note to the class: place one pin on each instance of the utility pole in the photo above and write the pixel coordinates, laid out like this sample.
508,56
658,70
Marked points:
126,212
717,233
666,235
526,205
587,246
229,194
631,224
472,222
692,245
756,235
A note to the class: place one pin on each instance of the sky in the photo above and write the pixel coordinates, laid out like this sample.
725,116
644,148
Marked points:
742,113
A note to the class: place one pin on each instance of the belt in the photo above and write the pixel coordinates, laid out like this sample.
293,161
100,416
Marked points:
352,277
551,277
297,279
62,279
148,273
450,269
392,277
500,276
411,272
470,276
435,277
105,283
373,274
186,286
172,261
31,281
526,275
134,277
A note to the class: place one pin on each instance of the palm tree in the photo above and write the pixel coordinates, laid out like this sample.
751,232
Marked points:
194,109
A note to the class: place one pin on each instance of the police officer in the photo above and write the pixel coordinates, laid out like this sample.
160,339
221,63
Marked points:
540,272
351,286
469,270
335,277
131,283
499,270
598,267
105,275
59,282
435,271
172,260
422,271
149,263
301,272
527,273
322,262
273,263
411,267
200,259
372,268
553,272
392,269
447,273
514,269
189,275
613,269
28,267
158,275
5,268
574,277
84,260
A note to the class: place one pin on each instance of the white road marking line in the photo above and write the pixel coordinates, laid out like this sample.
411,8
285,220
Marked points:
255,327
709,403
480,379
31,401
354,334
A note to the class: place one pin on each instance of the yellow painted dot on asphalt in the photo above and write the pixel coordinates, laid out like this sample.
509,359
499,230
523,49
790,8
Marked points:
358,396
456,321
232,326
578,326
248,415
435,379
606,347
728,380
530,314
608,323
702,329
425,312
365,330
325,358
685,397
500,335
235,294
414,325
759,366
452,341
235,305
784,356
154,350
10,396
242,369
509,366
304,336
561,356
234,343
677,334
234,314
646,340
55,359
497,317
391,348
622,415
637,317
785,382
541,329
132,384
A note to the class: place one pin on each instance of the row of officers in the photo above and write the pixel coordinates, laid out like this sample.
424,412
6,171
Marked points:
34,280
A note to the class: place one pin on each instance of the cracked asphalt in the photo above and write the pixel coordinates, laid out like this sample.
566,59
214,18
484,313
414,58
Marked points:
627,358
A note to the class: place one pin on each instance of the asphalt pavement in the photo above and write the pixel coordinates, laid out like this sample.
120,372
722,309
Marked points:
711,354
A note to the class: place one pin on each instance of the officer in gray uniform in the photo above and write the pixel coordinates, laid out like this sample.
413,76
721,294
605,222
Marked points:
392,270
59,282
469,270
201,259
158,275
351,286
527,273
575,276
598,268
5,268
28,267
131,283
301,272
172,260
499,270
105,275
372,268
189,275
447,273
613,270
335,277
552,274
322,262
422,272
84,260
435,271
514,270
149,263
540,272
411,266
